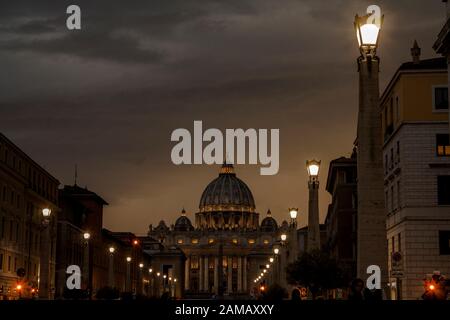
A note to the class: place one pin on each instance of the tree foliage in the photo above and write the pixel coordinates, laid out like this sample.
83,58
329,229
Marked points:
315,270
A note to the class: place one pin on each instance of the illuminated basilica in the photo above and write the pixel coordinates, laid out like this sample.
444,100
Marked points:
227,246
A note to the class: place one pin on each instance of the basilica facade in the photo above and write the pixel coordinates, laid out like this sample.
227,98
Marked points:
226,247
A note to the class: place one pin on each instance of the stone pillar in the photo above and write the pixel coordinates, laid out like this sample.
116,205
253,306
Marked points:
216,275
200,274
239,274
128,278
293,243
313,215
371,228
44,264
206,272
244,273
111,270
229,275
187,272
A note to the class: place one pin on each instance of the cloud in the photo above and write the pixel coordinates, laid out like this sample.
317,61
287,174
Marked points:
89,45
107,97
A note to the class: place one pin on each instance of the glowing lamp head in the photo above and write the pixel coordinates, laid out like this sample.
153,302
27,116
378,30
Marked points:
293,213
313,167
86,236
164,276
175,280
111,249
19,287
267,266
150,270
158,274
270,260
276,250
141,265
135,242
283,237
46,212
431,287
128,259
368,29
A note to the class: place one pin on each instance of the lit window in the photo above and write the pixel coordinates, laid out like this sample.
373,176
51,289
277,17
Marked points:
442,145
266,241
211,241
251,241
180,241
235,241
194,241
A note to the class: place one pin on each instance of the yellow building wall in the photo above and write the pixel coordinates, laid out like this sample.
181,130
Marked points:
415,99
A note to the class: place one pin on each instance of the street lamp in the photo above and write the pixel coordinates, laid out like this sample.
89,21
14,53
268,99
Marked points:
368,30
128,279
271,260
313,243
276,250
293,212
111,267
46,212
283,237
371,234
44,273
313,167
86,260
141,265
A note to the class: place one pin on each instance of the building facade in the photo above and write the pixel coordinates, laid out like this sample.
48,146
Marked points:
25,240
226,247
416,155
341,219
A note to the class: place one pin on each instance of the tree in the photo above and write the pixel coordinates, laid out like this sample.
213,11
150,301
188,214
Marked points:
315,270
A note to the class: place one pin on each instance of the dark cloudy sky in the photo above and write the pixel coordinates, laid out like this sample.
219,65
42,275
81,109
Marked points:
108,97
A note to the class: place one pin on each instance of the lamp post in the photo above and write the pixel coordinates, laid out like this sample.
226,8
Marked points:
151,276
128,279
276,251
86,237
293,213
140,285
44,261
313,243
371,222
111,267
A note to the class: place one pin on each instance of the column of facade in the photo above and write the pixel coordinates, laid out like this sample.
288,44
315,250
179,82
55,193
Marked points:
187,272
244,273
200,274
206,273
239,274
216,275
230,273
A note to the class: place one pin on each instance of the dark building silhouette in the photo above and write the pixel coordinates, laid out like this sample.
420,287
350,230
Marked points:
342,212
